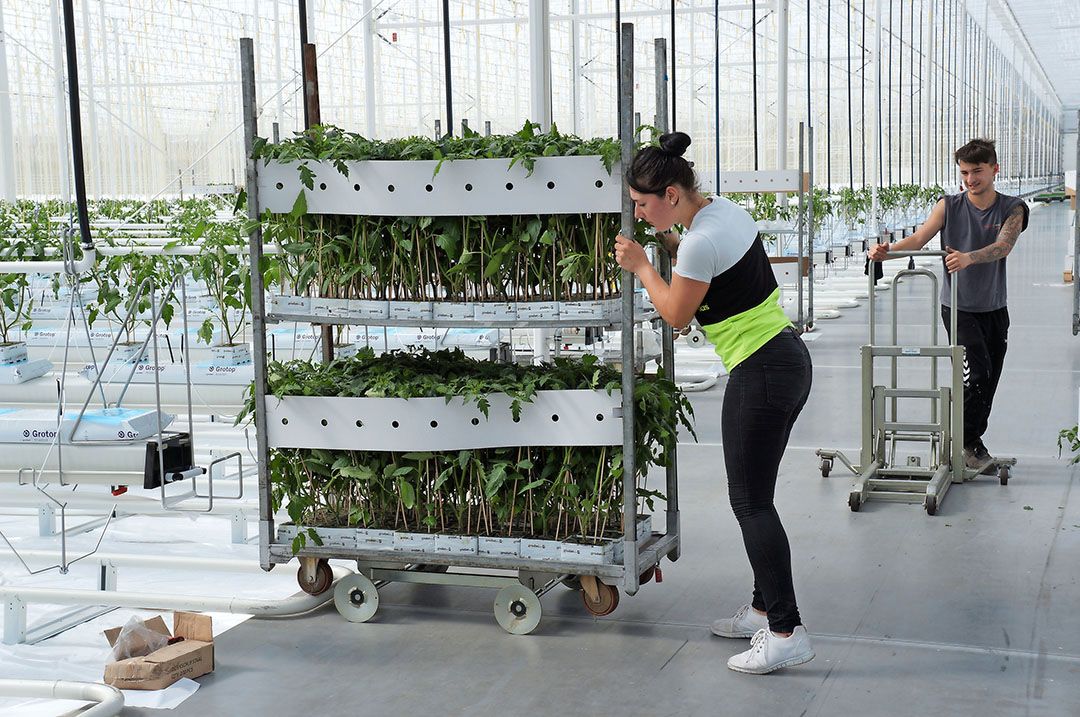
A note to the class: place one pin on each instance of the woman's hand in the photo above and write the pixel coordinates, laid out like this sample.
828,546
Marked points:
630,255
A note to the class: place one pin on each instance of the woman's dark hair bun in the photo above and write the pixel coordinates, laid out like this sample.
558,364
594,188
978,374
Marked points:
675,143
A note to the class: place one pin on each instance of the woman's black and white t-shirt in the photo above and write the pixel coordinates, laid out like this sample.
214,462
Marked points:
741,309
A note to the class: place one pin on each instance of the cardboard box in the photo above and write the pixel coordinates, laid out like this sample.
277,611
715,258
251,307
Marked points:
191,657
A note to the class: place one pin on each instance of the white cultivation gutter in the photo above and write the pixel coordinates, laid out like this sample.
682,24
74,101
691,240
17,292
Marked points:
50,267
109,699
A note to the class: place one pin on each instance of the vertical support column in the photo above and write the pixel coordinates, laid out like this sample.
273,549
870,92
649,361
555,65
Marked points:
663,124
801,231
925,93
7,136
875,124
103,39
258,299
63,156
575,66
809,230
629,358
781,85
279,117
369,69
91,100
540,111
1076,236
540,62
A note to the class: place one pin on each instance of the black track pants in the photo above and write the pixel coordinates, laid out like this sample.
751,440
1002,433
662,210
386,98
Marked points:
985,338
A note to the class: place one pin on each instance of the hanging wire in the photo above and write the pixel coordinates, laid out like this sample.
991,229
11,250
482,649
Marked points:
753,70
862,101
900,104
672,83
922,88
850,138
828,95
890,91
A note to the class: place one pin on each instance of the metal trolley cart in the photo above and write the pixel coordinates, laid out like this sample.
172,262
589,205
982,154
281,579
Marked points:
878,475
434,424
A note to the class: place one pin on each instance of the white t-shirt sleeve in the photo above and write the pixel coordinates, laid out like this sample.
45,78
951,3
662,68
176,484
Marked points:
719,237
697,258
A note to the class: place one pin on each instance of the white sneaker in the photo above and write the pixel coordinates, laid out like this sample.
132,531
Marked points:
744,623
769,652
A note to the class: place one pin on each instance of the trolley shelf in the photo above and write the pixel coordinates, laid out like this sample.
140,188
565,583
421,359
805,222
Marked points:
651,550
605,323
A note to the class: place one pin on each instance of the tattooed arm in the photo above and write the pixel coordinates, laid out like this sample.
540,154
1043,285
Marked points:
1006,240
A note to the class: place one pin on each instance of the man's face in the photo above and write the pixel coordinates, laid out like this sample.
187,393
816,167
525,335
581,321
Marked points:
978,178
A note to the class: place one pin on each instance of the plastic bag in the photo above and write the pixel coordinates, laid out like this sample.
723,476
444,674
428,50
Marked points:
136,639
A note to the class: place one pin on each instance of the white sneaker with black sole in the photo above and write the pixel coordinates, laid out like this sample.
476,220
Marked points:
744,623
768,652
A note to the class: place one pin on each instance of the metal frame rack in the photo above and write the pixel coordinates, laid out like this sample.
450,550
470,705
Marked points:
517,606
877,476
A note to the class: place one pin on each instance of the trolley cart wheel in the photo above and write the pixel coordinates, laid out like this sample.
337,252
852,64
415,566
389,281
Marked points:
572,581
854,502
517,609
321,578
356,598
605,602
647,576
1003,475
826,467
931,504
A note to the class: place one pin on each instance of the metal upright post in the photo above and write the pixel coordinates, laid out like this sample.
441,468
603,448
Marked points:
800,228
810,231
258,301
629,363
1076,235
667,333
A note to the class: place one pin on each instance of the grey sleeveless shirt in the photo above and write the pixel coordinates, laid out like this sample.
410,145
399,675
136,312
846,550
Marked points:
982,287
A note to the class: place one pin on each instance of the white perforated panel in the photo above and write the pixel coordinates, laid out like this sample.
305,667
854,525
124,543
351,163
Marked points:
558,185
554,418
760,181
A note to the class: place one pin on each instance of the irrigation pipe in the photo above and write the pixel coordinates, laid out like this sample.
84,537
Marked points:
109,699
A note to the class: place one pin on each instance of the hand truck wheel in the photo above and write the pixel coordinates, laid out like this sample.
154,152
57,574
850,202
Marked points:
826,467
931,504
1003,475
356,598
517,609
854,502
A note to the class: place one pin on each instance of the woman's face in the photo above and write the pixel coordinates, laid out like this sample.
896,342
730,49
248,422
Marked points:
657,210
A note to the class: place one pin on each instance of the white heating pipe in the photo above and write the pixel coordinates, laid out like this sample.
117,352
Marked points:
109,699
50,267
257,607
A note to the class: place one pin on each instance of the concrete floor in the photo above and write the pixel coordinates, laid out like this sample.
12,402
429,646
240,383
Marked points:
970,612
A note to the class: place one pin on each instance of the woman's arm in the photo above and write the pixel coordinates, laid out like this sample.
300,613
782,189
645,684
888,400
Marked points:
676,303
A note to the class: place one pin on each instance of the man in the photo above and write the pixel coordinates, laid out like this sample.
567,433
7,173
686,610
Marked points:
978,228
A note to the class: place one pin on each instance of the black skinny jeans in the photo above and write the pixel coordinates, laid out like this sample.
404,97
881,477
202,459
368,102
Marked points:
764,396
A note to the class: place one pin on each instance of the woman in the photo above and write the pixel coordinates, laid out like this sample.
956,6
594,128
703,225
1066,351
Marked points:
723,277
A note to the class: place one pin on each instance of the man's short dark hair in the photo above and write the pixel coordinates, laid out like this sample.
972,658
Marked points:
977,151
